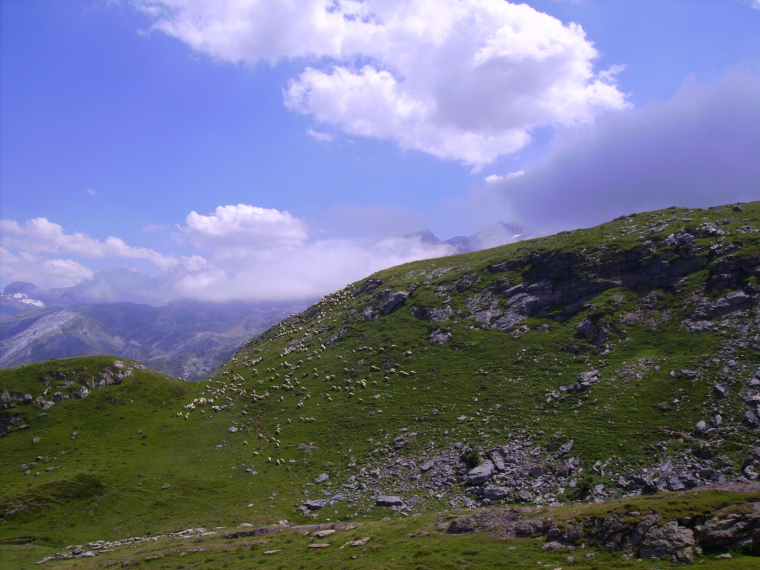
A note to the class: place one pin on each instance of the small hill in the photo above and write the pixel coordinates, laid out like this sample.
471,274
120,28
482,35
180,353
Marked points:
598,365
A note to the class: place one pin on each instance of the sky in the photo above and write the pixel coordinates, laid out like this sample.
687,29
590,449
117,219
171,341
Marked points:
277,150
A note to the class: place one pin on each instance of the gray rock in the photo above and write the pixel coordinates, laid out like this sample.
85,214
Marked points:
525,496
536,471
321,478
720,391
389,501
462,525
315,504
480,474
737,530
565,449
427,466
495,493
584,382
700,428
549,546
666,540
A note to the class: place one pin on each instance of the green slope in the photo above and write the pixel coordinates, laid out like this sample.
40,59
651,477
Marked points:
346,390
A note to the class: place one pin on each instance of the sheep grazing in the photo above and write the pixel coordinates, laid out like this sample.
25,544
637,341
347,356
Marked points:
299,405
329,398
350,394
269,460
288,420
179,414
374,382
255,453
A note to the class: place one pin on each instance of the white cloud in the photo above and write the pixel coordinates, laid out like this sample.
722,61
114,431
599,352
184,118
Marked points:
466,81
39,235
232,232
91,192
494,178
320,137
28,267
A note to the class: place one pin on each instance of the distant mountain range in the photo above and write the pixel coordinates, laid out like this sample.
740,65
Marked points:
184,338
493,235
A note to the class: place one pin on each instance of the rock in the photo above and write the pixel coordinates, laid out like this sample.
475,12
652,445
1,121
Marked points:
665,540
440,336
324,533
495,493
413,501
549,546
751,420
584,382
525,496
389,501
462,525
315,504
736,530
480,474
684,556
700,428
233,429
321,478
536,471
587,328
720,391
427,466
565,449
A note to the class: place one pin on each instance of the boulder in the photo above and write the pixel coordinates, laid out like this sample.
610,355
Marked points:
480,474
493,493
666,540
315,504
321,478
462,525
389,501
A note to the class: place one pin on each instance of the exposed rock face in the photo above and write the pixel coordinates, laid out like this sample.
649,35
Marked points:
384,303
665,540
740,531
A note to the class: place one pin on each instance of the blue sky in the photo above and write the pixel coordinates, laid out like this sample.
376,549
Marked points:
303,140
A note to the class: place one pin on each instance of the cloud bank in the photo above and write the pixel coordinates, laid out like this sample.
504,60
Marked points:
699,149
243,253
465,81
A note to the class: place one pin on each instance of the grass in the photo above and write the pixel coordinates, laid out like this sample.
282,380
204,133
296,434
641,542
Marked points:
135,467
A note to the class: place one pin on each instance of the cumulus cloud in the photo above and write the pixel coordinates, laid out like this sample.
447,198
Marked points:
239,231
466,81
699,149
39,235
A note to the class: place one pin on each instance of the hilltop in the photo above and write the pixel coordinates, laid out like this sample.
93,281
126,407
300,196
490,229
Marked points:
598,365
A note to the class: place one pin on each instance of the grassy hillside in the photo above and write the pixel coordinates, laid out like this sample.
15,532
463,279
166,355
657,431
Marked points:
584,362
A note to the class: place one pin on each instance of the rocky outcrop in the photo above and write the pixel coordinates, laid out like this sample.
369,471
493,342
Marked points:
384,303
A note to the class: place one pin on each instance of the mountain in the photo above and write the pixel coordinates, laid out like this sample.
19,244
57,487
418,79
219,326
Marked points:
597,390
493,235
184,338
